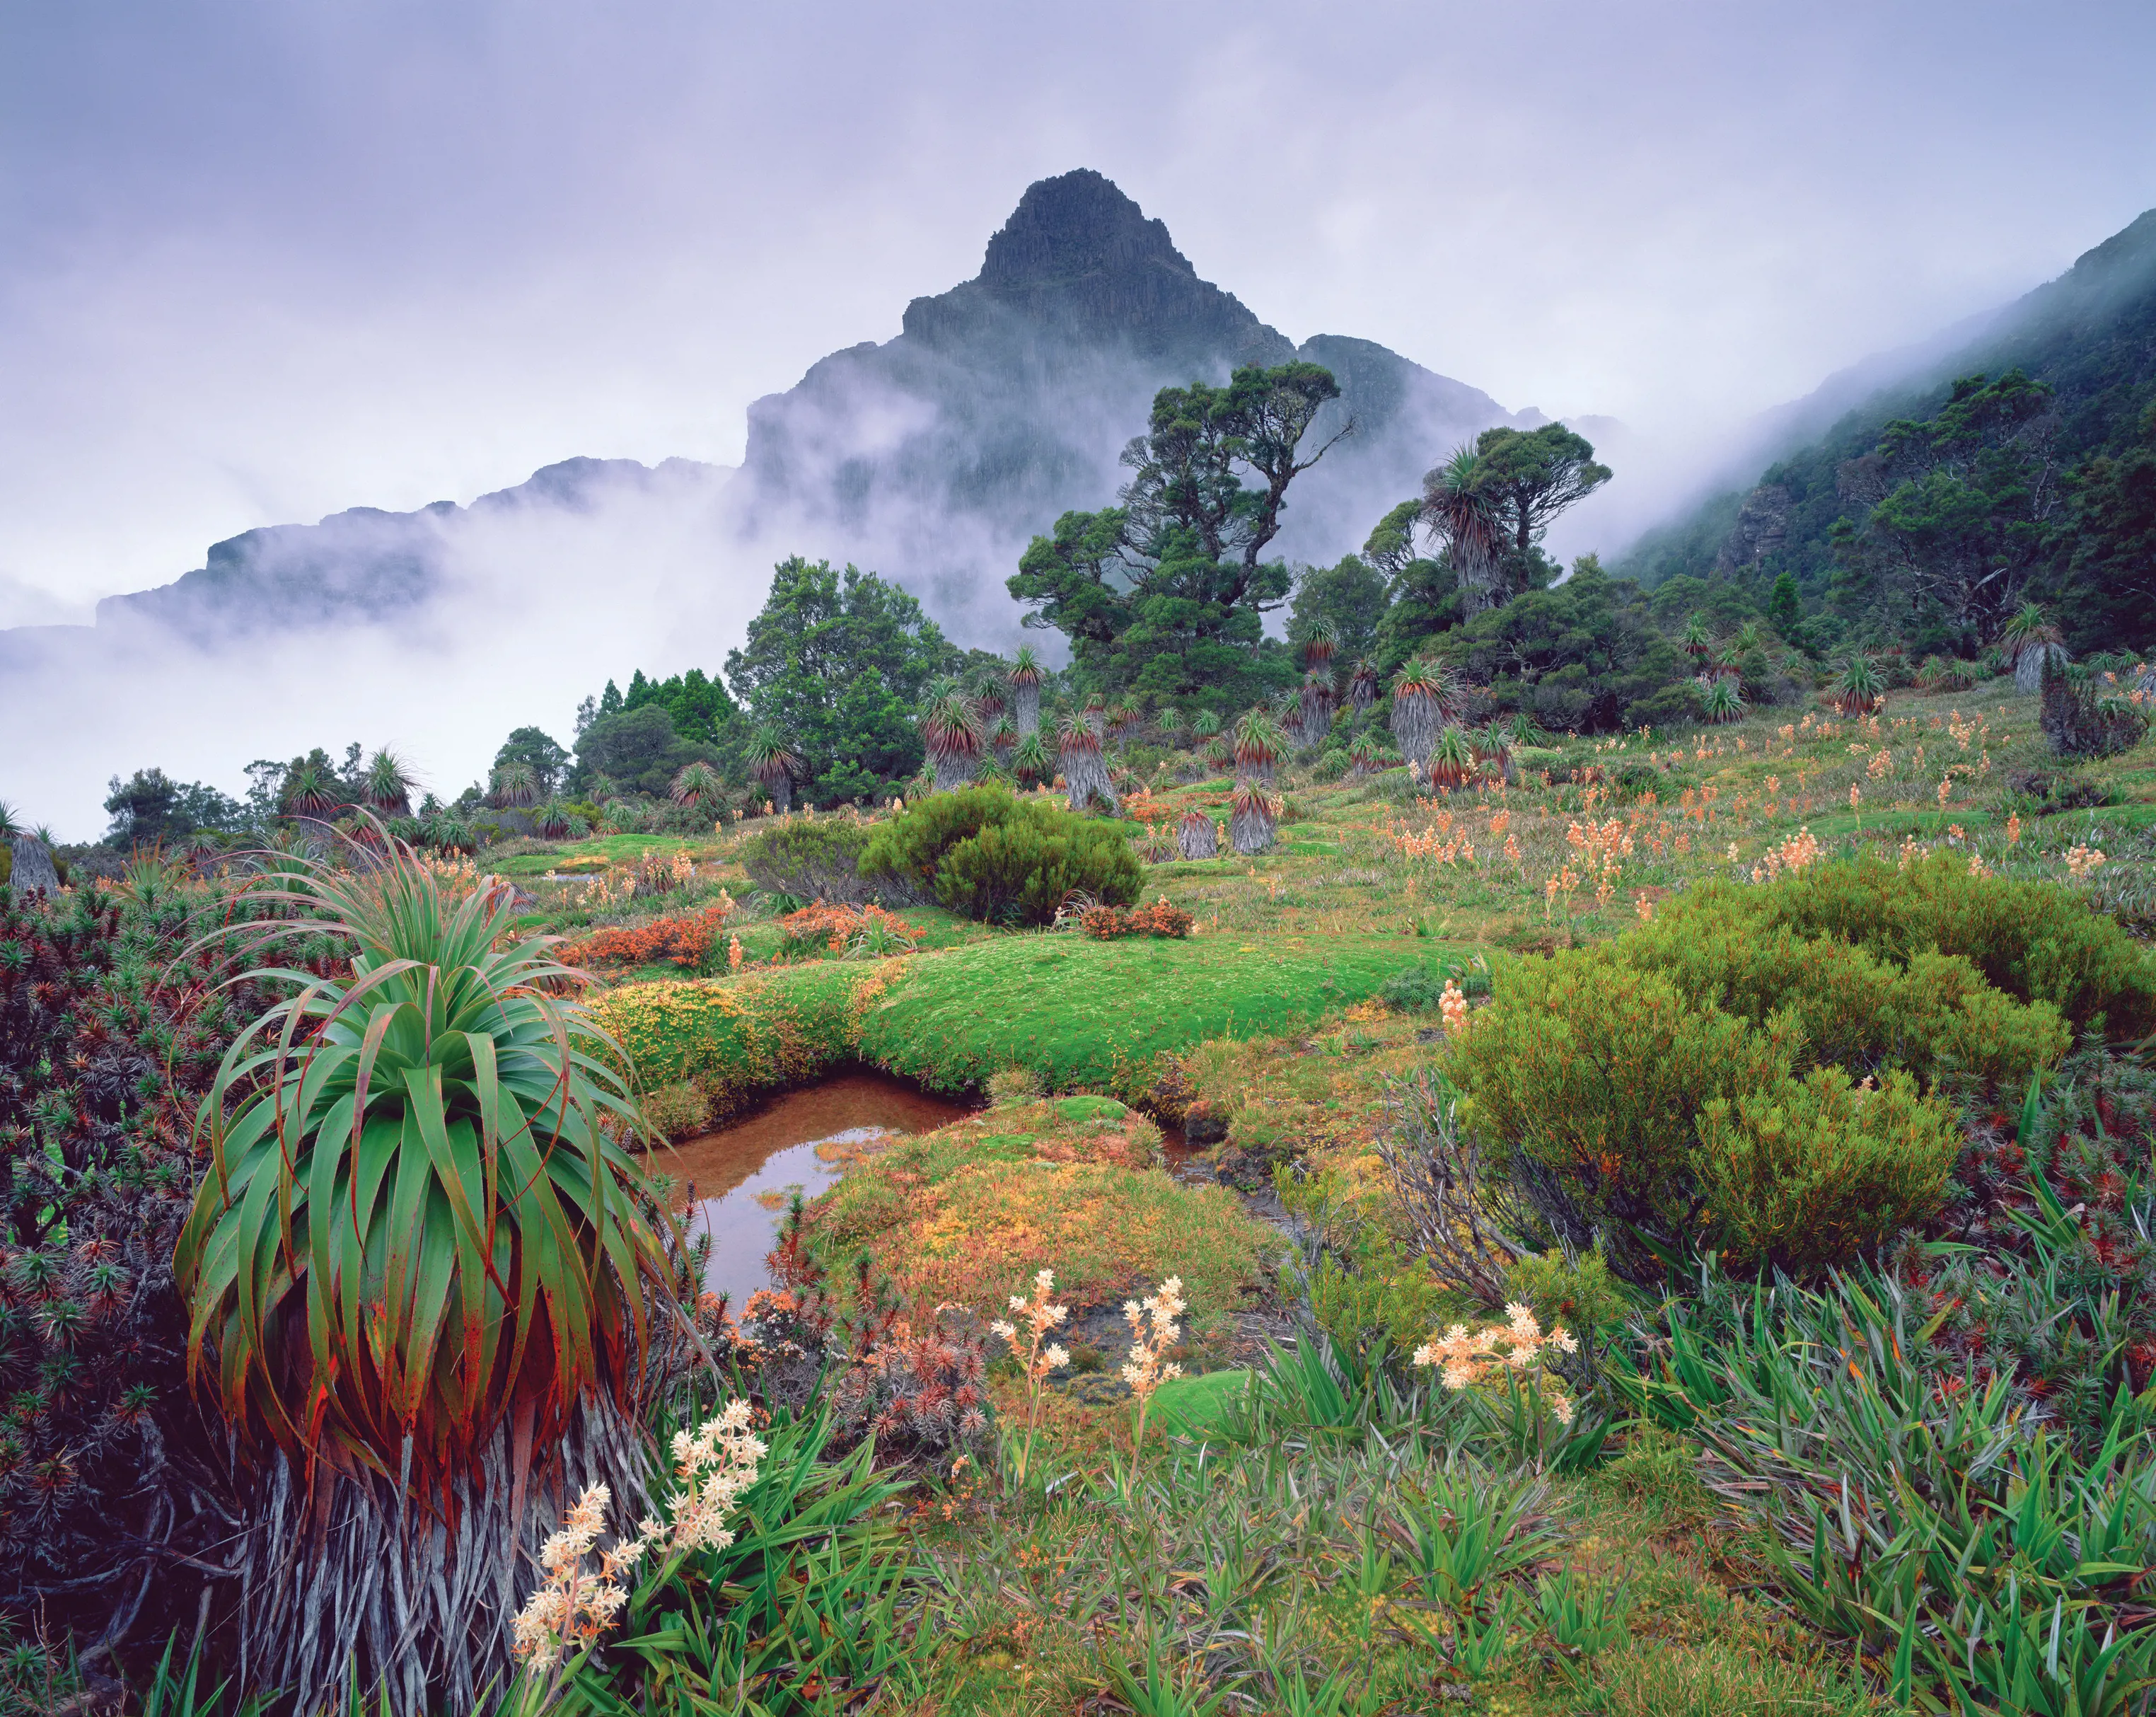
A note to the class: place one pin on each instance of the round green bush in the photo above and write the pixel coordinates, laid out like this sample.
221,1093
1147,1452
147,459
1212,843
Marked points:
988,855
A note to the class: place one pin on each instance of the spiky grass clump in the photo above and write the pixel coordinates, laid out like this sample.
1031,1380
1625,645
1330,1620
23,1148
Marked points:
417,1218
1259,744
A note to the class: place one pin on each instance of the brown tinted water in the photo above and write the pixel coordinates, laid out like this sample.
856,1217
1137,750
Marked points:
734,1181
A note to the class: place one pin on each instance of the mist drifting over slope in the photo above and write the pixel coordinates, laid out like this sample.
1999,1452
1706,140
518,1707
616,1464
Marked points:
932,458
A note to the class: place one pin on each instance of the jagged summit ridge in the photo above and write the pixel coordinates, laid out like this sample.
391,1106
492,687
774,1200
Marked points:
1079,256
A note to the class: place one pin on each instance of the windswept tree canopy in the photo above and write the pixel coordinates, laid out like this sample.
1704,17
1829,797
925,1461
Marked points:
1165,592
835,666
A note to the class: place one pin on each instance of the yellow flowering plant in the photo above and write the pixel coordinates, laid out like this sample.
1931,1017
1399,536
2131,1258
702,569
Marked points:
1038,1356
1153,1332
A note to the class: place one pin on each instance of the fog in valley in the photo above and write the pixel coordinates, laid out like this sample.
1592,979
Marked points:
257,269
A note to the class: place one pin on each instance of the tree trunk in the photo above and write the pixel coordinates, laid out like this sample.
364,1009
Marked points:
1086,774
1026,701
1415,725
1195,838
953,769
357,1577
1250,831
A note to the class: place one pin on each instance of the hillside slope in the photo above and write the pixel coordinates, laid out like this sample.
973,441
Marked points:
2090,336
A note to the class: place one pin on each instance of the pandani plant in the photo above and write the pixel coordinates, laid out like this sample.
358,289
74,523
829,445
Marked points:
1698,640
1363,685
772,764
1259,744
1860,689
1195,837
951,730
1084,772
697,784
1315,708
1722,701
311,791
1030,763
1206,723
1422,701
555,820
515,785
386,784
1451,757
1252,816
1459,511
1321,642
2029,636
421,1270
1025,677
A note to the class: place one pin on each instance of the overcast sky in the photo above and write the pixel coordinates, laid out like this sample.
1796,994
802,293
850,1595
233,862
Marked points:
259,262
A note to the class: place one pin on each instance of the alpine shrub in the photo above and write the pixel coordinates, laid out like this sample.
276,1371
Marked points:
2034,940
1593,1070
811,858
1935,1015
987,855
1109,923
1814,1170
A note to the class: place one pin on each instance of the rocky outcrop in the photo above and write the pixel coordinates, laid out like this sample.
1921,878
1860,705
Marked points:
1763,525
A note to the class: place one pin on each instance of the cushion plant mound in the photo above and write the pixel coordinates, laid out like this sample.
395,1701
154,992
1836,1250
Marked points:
1082,1014
1195,1406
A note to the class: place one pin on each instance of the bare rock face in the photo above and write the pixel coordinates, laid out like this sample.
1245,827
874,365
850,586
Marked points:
34,866
1762,526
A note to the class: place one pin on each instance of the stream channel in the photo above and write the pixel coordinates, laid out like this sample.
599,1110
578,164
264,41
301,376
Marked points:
761,1154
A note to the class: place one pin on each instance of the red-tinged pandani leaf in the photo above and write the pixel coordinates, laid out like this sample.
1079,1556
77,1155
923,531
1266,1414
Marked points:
419,1221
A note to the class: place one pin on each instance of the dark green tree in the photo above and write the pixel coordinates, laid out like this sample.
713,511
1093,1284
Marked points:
150,807
549,763
1351,596
1961,514
834,665
1165,593
2107,589
1583,655
637,751
701,708
1526,478
1785,613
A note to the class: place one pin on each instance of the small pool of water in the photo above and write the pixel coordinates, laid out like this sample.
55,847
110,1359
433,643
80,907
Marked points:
727,1176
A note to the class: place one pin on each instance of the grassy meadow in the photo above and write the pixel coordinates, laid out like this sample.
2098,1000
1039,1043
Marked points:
1310,1524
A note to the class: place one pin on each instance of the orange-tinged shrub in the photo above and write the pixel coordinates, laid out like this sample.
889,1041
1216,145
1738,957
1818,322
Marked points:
685,940
1105,924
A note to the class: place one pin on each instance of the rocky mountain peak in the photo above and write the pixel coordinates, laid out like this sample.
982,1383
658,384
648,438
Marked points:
1080,258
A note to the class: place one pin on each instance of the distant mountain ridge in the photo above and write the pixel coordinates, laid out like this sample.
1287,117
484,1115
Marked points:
2091,334
933,457
1005,401
365,565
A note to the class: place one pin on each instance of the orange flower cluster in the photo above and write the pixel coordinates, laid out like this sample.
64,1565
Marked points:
1106,923
837,926
683,941
1798,850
